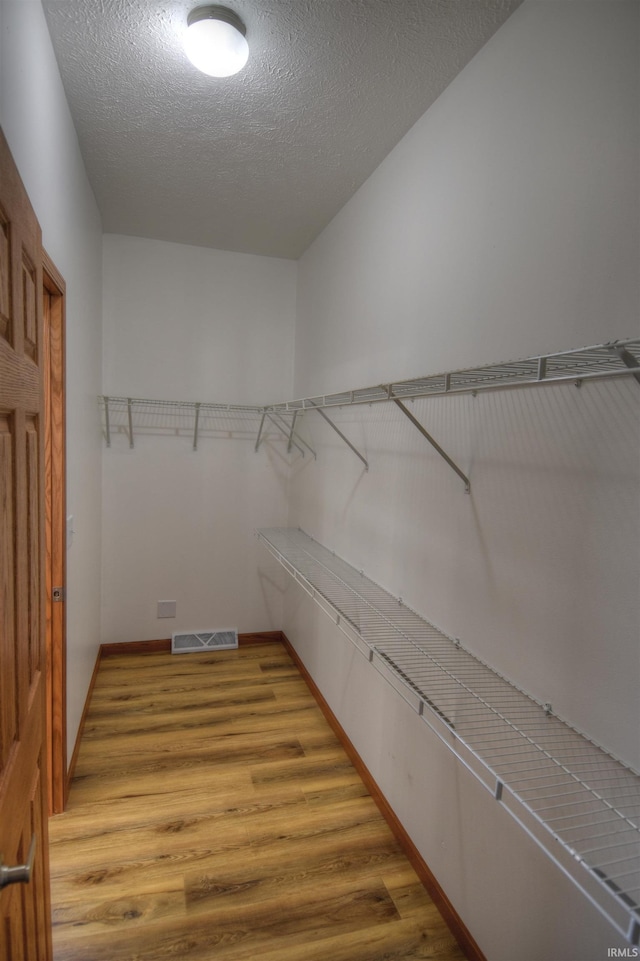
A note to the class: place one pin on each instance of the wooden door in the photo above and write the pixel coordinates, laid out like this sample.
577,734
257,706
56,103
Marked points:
25,930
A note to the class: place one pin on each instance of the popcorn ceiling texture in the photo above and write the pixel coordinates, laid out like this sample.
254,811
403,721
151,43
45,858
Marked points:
262,161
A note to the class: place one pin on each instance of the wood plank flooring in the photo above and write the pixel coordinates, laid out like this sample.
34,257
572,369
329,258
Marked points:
214,814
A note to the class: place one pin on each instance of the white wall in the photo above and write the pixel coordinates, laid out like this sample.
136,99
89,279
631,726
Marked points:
189,323
505,224
38,127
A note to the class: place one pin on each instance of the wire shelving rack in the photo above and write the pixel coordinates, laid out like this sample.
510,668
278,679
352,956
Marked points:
578,802
128,414
618,358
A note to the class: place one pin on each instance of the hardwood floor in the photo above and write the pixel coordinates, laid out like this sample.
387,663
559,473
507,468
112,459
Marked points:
214,814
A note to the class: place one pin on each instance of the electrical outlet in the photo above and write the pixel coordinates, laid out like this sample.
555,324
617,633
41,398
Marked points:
166,609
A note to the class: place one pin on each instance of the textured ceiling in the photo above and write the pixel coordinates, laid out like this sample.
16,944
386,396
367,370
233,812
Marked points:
262,161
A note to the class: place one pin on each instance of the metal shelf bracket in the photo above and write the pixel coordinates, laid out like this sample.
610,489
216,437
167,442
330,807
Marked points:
340,434
195,427
284,427
627,358
292,431
425,433
260,429
107,427
287,429
130,420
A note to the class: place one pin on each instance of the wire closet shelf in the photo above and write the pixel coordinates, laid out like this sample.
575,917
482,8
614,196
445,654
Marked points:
580,804
619,358
130,414
123,415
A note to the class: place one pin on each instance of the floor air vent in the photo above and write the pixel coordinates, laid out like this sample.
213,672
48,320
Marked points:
204,641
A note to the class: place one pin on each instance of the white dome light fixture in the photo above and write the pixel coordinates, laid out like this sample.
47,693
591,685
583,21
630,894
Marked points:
215,41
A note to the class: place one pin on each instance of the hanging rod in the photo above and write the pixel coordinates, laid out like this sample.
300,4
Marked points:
617,358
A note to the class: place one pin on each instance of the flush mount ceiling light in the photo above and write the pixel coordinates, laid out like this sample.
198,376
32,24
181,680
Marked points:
215,41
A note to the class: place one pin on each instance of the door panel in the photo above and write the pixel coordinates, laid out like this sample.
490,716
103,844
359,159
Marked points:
25,933
8,704
29,308
34,547
5,275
